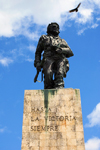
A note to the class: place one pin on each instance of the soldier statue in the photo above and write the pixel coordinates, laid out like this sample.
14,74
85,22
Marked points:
54,63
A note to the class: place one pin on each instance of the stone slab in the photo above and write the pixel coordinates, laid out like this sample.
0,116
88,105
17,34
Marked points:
52,120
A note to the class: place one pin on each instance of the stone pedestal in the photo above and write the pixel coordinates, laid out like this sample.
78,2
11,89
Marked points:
52,120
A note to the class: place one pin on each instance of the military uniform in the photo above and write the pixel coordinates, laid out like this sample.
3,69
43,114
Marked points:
55,63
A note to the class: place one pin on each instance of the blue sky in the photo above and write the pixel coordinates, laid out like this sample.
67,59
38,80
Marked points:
21,25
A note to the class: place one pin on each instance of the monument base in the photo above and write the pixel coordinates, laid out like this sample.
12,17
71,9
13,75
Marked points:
52,120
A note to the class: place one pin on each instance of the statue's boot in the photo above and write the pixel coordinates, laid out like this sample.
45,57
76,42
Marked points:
48,81
58,82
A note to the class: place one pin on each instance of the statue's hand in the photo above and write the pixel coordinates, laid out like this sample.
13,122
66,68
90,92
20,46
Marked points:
38,66
59,50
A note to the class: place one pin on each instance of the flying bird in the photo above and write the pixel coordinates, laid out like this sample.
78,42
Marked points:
76,9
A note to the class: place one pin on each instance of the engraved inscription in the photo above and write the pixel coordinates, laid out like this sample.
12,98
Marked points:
40,110
50,118
44,128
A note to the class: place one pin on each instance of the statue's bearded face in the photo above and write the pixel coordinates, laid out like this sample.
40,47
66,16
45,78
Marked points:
53,29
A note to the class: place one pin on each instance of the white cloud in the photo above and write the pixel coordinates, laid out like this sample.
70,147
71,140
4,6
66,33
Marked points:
17,16
98,19
2,130
93,144
29,60
81,31
96,2
5,61
32,48
85,16
94,25
25,53
94,117
33,36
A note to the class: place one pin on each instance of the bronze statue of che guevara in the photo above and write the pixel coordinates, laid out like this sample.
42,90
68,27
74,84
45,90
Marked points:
54,63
